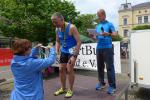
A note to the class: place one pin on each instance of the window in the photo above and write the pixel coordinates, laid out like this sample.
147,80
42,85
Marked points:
125,21
145,19
125,33
126,6
140,20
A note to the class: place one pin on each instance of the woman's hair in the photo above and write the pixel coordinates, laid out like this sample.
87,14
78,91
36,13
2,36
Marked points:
20,46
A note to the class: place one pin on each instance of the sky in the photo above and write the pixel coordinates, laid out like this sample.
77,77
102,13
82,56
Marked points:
110,6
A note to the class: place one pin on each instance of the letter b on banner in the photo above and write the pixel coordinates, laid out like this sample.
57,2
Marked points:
88,50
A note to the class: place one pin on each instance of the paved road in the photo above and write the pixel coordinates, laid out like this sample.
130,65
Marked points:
135,94
84,89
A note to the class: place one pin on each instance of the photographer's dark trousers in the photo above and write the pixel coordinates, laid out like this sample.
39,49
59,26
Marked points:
106,56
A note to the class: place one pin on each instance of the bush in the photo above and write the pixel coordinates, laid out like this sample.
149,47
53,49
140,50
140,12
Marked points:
142,27
117,38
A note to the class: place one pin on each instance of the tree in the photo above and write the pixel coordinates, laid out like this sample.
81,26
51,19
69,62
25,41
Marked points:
31,19
117,38
141,27
84,22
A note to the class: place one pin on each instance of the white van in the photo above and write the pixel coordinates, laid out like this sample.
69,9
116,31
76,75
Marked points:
139,57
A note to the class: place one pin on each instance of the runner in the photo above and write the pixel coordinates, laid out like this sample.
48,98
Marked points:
67,45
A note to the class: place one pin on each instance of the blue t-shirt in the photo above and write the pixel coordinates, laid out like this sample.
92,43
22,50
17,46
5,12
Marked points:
104,41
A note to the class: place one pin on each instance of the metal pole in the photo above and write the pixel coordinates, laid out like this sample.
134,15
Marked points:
126,94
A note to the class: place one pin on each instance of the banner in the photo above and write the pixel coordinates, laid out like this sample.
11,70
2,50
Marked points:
87,57
6,56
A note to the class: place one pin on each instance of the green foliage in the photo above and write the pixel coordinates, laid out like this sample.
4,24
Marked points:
31,19
142,27
117,38
84,22
86,39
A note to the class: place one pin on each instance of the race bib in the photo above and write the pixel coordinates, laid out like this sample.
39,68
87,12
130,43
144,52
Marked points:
71,50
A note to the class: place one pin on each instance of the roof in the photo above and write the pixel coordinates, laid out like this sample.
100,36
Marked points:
138,6
146,4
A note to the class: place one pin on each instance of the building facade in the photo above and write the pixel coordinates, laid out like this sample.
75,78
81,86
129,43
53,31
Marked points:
132,16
